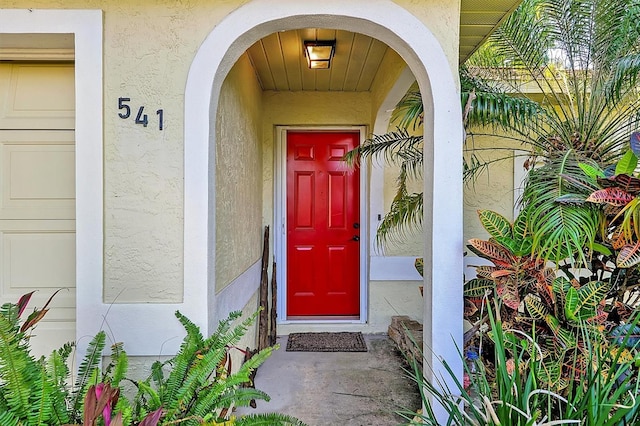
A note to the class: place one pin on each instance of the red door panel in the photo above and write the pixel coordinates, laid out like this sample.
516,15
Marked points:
323,257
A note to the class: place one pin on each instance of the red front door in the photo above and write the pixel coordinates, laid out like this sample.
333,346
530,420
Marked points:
323,230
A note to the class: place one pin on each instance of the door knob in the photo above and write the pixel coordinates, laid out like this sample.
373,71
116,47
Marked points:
356,238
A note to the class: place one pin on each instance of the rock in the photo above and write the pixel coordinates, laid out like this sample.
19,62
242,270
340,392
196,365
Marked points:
407,335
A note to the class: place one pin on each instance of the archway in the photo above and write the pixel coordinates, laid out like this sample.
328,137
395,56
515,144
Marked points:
423,53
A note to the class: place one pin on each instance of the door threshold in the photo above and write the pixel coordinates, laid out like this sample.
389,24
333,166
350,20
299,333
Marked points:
323,318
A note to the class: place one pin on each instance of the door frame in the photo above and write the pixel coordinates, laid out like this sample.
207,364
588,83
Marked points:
280,225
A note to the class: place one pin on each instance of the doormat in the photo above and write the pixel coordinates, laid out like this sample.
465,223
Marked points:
326,342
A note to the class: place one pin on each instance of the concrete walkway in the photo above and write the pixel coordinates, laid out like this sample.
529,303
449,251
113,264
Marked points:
337,388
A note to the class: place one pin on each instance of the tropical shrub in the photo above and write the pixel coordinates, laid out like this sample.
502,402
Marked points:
199,388
533,300
602,390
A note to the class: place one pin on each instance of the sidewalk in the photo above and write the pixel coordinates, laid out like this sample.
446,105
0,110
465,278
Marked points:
337,388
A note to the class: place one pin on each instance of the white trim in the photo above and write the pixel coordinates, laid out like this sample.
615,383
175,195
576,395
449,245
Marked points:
280,237
393,268
380,127
236,295
86,25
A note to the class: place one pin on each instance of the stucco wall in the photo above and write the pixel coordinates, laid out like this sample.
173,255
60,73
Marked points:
148,48
390,69
238,174
494,187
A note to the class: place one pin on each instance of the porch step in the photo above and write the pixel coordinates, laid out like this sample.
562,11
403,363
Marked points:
406,333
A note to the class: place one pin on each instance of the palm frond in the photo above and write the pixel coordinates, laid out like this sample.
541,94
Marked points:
404,217
560,231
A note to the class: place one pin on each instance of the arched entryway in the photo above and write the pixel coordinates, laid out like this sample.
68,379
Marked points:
420,49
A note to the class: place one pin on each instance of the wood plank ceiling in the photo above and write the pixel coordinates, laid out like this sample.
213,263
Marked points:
280,64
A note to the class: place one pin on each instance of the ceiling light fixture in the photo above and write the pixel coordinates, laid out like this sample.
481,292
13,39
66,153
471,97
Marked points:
319,53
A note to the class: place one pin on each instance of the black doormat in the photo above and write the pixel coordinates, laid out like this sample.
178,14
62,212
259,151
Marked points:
326,342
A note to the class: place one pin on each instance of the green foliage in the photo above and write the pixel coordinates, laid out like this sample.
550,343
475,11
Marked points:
557,77
201,383
511,384
200,387
35,391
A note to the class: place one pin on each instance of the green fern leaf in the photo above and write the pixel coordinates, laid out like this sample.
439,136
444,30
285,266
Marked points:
7,418
41,409
18,369
58,374
87,374
271,419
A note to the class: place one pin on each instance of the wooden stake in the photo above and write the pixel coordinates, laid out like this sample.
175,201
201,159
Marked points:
263,322
274,314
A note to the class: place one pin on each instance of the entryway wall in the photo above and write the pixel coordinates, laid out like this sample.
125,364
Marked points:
443,141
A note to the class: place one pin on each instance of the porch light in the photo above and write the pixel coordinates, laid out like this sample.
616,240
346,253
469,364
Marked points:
319,53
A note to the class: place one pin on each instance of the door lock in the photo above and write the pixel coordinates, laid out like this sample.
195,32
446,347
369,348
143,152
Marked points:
356,225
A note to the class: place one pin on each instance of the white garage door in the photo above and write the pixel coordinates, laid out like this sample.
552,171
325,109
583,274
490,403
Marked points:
37,194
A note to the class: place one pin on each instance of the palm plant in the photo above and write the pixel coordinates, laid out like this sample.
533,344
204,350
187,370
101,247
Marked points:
570,68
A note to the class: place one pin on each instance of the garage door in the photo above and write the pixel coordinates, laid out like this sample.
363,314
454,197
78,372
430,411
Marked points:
37,193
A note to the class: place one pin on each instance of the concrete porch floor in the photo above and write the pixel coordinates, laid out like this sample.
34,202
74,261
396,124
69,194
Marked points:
338,388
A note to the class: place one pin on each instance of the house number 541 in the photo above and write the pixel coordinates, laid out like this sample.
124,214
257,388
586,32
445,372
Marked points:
141,117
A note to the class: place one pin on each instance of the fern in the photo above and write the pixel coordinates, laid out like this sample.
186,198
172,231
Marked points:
270,419
18,369
58,374
199,385
87,374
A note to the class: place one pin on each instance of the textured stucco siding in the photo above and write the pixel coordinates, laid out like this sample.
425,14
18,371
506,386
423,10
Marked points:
494,187
238,174
390,69
148,49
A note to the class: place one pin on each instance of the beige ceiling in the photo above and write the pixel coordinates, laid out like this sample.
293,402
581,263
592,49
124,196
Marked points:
280,64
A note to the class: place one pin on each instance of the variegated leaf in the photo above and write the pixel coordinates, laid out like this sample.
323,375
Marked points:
629,256
562,336
485,271
491,251
544,285
589,298
613,196
495,224
571,304
477,287
501,273
618,239
507,290
630,184
521,226
549,371
535,308
561,285
470,308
